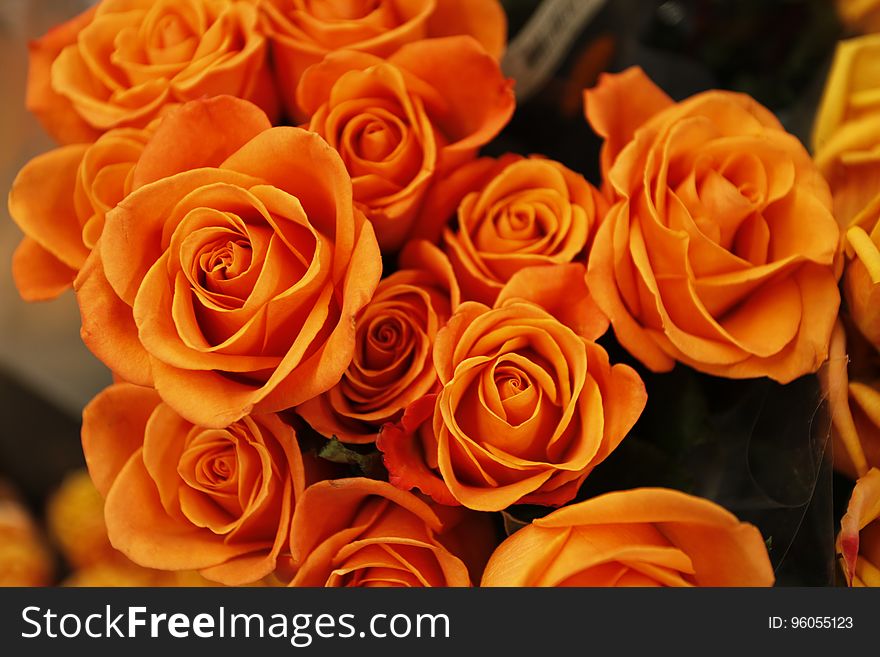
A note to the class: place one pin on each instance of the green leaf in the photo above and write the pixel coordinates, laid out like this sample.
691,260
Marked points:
519,515
512,524
365,463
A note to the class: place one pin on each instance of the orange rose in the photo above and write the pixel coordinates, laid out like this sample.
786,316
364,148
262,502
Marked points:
521,213
375,535
719,248
854,400
846,132
400,122
392,364
59,199
529,405
122,63
859,540
231,276
303,32
640,537
180,496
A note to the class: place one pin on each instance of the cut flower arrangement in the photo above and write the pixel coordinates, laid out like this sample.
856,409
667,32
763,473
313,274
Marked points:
352,348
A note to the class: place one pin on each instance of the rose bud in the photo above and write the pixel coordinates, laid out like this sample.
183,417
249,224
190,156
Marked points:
59,199
122,63
230,277
399,123
529,404
640,537
511,214
720,245
392,364
184,497
376,535
303,33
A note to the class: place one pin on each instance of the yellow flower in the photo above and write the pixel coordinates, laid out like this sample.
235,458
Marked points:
846,133
859,539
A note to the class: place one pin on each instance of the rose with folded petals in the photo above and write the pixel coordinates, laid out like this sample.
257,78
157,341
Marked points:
303,32
521,212
529,404
640,537
124,62
846,131
399,123
364,532
719,248
859,540
851,381
230,277
181,496
392,365
59,199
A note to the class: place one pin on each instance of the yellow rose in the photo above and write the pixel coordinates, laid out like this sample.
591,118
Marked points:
851,382
846,134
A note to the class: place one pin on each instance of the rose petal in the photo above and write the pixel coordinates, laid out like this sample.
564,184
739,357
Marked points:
113,428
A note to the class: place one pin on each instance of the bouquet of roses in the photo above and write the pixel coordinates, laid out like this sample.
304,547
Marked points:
351,349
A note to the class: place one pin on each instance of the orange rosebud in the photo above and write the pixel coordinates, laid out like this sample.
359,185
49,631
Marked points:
718,250
59,199
24,559
302,33
846,132
392,365
859,540
853,392
124,62
640,537
231,276
365,532
529,212
400,122
529,404
185,497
